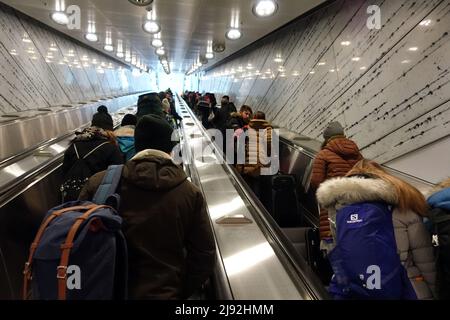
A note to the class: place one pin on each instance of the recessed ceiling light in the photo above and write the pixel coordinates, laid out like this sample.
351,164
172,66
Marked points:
120,55
160,51
363,68
265,8
321,64
60,17
425,23
109,48
413,49
209,55
157,43
151,27
356,59
346,43
92,37
233,34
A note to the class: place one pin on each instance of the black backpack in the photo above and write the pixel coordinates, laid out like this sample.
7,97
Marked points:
77,176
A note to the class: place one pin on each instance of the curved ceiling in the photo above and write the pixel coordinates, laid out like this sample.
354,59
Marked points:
186,25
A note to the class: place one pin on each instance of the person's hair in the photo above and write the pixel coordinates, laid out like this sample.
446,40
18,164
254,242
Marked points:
444,184
245,108
112,137
259,115
129,120
408,197
226,97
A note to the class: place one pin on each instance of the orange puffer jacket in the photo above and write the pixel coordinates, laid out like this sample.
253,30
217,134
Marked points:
336,159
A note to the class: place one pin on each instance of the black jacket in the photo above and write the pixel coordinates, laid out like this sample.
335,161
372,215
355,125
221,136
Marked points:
223,115
88,140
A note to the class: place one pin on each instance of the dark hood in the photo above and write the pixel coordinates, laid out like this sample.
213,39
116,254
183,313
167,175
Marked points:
345,148
150,171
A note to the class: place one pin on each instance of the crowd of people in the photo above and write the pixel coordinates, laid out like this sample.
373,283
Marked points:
367,216
171,249
389,220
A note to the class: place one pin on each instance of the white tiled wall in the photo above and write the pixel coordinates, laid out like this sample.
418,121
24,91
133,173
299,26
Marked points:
389,87
40,68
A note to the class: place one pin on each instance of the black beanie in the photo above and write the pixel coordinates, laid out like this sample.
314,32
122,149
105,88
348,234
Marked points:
103,120
153,132
103,109
129,120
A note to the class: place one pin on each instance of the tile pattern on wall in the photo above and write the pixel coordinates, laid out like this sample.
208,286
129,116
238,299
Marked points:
389,87
40,67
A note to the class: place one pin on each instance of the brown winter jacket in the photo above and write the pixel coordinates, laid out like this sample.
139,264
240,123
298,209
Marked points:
168,232
335,159
256,154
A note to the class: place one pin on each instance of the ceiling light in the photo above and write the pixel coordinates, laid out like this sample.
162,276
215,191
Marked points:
363,68
109,48
120,55
60,17
356,59
425,23
413,49
151,27
346,43
265,8
233,34
321,64
92,37
157,43
209,55
312,72
160,51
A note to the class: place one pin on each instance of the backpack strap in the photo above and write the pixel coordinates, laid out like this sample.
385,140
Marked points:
93,150
66,248
109,184
28,265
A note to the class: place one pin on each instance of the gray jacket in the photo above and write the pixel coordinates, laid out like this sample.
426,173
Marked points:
413,240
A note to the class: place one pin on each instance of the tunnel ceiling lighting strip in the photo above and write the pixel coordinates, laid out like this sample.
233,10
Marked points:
265,8
109,48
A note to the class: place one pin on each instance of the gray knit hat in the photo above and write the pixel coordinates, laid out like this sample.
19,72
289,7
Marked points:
333,129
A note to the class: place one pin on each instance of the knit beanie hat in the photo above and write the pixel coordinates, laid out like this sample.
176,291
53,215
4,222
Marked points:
103,120
333,129
129,120
103,109
153,132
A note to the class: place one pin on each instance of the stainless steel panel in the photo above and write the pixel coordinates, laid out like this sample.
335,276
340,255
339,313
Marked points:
31,129
253,268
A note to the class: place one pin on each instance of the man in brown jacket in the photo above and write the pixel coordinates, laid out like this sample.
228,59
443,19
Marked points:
337,157
168,232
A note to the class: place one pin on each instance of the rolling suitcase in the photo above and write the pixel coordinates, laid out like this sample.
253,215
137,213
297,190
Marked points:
283,201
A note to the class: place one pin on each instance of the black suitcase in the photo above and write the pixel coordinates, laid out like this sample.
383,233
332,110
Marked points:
283,201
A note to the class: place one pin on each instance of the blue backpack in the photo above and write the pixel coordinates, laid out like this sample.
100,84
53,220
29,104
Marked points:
79,252
365,261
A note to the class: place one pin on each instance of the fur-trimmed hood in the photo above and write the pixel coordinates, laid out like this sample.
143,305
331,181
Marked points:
347,190
125,131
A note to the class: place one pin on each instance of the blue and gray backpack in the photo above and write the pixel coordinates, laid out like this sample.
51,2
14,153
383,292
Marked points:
365,261
79,252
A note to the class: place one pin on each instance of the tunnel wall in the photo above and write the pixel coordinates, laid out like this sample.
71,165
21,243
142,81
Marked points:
390,87
75,73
